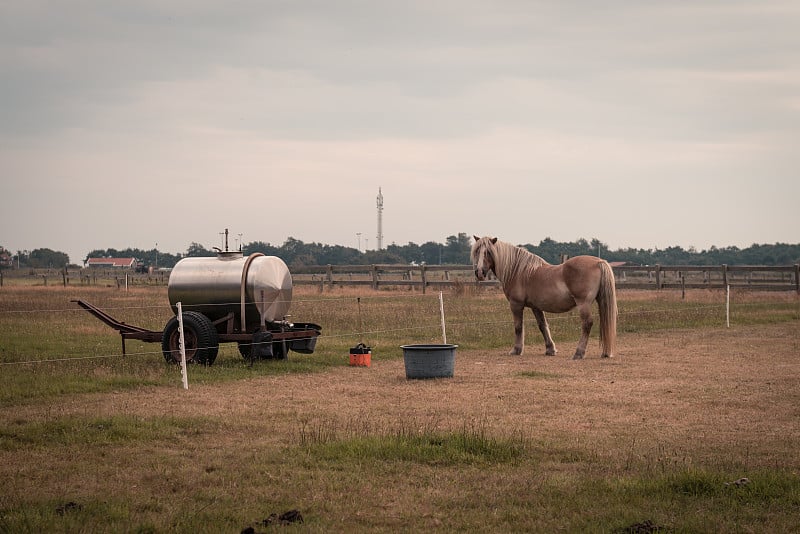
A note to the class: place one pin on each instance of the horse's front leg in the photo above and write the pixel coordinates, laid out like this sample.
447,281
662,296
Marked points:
544,328
519,329
585,310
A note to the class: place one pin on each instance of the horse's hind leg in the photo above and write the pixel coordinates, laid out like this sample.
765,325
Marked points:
544,328
585,310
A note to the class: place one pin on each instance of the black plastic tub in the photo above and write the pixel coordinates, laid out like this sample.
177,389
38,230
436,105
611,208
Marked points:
429,360
304,345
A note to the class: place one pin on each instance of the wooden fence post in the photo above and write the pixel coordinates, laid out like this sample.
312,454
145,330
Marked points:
424,278
797,277
724,275
374,277
329,276
658,276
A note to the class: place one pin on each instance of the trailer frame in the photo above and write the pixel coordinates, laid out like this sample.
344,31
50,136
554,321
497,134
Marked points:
280,331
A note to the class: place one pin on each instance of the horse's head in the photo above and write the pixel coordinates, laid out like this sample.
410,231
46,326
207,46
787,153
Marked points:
483,256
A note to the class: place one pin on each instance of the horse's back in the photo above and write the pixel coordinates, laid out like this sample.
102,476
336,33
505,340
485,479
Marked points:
583,264
584,260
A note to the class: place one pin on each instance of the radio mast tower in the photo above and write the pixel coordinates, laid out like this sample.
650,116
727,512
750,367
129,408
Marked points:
380,219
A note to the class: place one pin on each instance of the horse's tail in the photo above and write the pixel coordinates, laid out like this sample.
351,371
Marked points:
607,302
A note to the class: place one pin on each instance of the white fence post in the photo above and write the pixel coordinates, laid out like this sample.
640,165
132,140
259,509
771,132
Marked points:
441,311
728,306
184,377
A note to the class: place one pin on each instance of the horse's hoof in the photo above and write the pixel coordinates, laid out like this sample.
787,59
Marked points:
577,356
515,352
550,353
606,356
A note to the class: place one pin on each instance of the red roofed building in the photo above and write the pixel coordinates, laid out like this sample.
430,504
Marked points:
121,263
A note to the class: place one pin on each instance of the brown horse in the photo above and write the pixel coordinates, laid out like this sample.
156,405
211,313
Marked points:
529,281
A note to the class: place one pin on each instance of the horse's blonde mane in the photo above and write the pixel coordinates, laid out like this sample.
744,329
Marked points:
510,261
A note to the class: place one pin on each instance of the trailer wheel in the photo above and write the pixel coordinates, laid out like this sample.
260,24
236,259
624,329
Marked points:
202,340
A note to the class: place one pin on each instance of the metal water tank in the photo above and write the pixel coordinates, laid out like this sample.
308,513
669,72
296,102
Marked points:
257,286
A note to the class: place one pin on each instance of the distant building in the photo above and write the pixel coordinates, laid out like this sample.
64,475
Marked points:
117,263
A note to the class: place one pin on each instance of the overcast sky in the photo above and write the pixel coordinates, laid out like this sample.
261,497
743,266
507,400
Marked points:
641,124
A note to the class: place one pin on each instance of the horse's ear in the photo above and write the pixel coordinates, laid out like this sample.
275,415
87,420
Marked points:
476,238
494,240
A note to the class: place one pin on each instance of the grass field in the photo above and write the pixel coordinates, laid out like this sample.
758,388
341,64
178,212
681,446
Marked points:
694,427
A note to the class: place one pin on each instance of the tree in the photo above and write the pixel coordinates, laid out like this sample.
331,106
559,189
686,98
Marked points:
42,258
260,246
457,249
383,256
431,252
409,253
6,259
196,250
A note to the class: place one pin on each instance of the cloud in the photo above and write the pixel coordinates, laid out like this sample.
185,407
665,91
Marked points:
277,117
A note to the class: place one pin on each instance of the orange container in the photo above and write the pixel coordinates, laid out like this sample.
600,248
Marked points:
360,356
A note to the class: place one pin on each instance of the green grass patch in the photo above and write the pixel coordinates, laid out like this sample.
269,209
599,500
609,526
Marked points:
79,431
707,500
396,480
36,385
445,449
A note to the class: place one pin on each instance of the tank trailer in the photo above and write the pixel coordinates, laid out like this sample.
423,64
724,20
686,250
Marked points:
224,299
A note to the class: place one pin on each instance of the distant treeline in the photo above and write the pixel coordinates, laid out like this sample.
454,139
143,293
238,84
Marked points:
455,250
777,254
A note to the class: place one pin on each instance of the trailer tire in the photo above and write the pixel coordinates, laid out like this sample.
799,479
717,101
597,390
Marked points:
202,340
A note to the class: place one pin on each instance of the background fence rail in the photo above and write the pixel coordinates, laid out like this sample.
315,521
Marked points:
759,277
756,277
